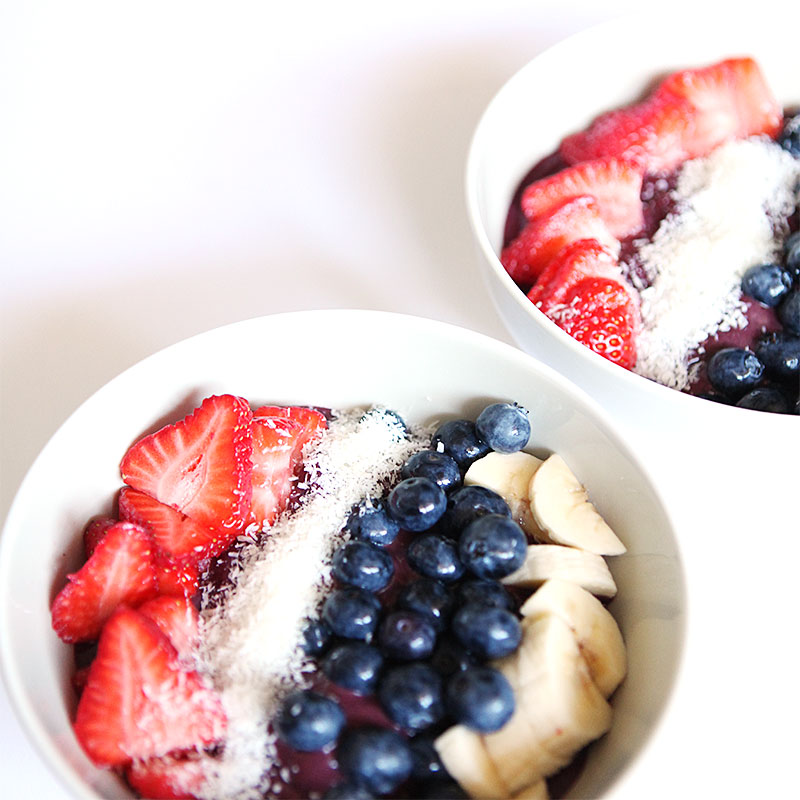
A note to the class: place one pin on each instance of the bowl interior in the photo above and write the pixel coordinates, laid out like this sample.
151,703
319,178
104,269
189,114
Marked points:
427,371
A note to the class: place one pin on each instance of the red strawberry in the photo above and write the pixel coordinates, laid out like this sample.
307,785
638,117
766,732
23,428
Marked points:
177,619
173,532
601,314
94,531
139,702
120,570
615,183
167,778
541,239
201,465
177,577
313,421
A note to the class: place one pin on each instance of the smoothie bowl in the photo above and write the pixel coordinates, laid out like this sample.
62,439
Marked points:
609,187
179,575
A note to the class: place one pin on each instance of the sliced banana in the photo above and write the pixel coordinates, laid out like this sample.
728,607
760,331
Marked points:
536,791
546,561
595,629
508,474
465,757
561,508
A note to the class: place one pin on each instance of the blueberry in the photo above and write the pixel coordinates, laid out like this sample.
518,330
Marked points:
411,695
438,467
386,416
347,791
480,698
435,556
354,665
765,398
352,613
734,371
487,631
791,255
316,637
364,565
505,427
429,598
309,721
493,546
789,137
767,283
376,758
406,636
789,312
450,656
780,354
471,502
426,762
370,522
417,504
485,592
460,440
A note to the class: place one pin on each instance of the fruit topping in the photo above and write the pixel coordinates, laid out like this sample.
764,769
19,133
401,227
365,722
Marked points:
364,565
505,427
309,721
370,522
480,698
377,758
789,138
178,620
167,778
407,636
416,504
354,666
411,695
492,546
767,283
733,371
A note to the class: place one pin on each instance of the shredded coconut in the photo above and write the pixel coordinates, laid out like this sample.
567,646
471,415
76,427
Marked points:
251,640
730,215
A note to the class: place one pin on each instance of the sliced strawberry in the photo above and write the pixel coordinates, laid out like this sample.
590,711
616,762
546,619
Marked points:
94,531
601,314
615,183
586,258
173,532
177,619
167,778
120,570
201,465
177,577
313,421
541,239
139,702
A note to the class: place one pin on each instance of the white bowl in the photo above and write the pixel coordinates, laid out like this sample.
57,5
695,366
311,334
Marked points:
425,370
560,92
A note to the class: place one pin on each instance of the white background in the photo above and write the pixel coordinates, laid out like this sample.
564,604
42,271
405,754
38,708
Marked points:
166,168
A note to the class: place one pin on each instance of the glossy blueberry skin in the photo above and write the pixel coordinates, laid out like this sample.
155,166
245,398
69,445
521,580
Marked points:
347,791
733,371
765,398
309,721
370,522
493,546
460,440
416,504
450,656
780,354
426,762
486,592
505,427
377,758
767,283
352,613
789,137
791,256
354,665
789,312
363,565
411,695
428,597
435,556
480,698
316,637
406,636
487,631
469,503
437,467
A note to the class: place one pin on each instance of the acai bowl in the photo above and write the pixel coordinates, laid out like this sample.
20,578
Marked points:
423,371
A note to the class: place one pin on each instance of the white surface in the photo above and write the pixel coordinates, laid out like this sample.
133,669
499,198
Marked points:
169,167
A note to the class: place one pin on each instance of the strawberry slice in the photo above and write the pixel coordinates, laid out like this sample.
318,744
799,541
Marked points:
201,465
167,778
94,531
177,577
173,532
615,183
120,570
312,421
178,620
578,218
139,702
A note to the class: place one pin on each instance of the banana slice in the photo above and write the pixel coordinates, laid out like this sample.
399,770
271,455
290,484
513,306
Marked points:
561,508
508,474
465,757
546,561
536,791
595,629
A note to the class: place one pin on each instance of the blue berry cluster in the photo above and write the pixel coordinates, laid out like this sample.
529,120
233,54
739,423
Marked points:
418,640
766,378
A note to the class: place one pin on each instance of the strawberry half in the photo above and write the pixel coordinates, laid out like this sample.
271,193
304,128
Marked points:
178,620
201,465
139,702
615,183
167,778
94,531
120,570
578,218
